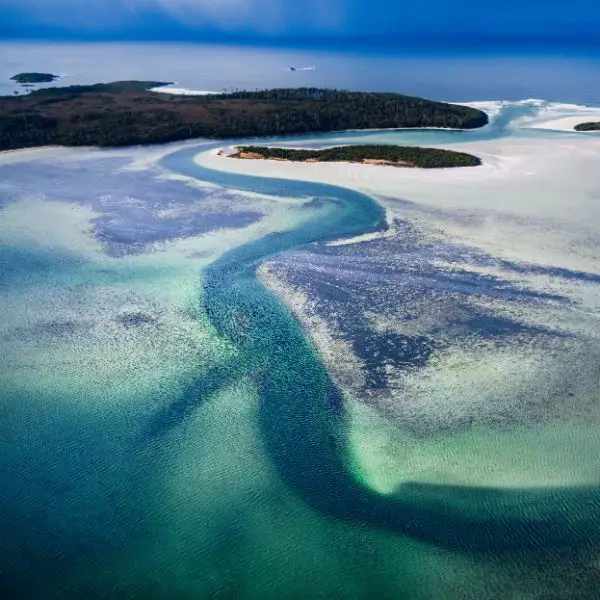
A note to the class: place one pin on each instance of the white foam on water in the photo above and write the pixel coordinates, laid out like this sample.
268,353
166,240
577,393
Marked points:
558,116
178,91
491,107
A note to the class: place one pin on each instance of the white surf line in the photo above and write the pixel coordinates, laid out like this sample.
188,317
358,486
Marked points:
179,91
567,123
557,116
490,107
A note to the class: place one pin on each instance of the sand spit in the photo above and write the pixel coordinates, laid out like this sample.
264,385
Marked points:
566,123
529,201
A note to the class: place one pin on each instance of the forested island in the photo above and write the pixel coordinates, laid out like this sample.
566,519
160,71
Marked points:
398,156
34,78
593,126
127,113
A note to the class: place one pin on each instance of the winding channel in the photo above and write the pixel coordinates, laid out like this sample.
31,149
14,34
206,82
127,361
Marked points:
301,416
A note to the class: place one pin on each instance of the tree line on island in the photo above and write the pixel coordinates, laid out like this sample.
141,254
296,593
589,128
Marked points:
126,113
401,156
33,78
592,126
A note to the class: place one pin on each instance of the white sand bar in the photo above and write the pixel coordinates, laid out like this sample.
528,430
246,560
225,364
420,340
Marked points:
532,200
566,123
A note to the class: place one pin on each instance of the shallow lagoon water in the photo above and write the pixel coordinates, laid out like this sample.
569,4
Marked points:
148,453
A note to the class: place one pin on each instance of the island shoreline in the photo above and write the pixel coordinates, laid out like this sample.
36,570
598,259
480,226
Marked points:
367,154
125,113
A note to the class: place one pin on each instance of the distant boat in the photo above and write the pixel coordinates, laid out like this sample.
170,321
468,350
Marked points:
302,68
292,68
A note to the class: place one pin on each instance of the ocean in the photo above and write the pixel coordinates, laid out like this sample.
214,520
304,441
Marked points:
452,76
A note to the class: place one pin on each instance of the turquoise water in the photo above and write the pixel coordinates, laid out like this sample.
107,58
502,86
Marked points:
302,417
170,430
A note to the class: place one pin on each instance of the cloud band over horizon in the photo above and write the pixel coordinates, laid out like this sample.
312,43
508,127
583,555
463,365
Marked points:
340,19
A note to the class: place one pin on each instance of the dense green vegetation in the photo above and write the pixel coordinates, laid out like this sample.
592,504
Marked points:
593,126
115,88
34,78
405,156
126,113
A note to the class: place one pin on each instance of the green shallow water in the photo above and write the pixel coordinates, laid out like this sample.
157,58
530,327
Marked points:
302,417
211,457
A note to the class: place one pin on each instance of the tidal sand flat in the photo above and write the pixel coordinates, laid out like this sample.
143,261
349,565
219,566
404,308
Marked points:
559,116
566,123
404,402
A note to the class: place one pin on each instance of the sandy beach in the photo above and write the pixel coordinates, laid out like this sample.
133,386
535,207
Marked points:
528,202
36,153
566,123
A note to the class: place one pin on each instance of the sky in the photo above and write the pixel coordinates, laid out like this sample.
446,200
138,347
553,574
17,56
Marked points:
537,21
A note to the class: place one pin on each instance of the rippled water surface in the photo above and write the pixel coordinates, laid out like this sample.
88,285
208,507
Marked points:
223,386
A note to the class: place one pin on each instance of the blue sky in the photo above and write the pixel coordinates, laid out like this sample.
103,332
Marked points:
570,22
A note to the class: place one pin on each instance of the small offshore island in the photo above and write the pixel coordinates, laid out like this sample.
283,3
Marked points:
396,156
126,113
592,126
25,78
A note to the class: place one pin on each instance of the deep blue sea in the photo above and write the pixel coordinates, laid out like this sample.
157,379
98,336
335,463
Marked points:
448,74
